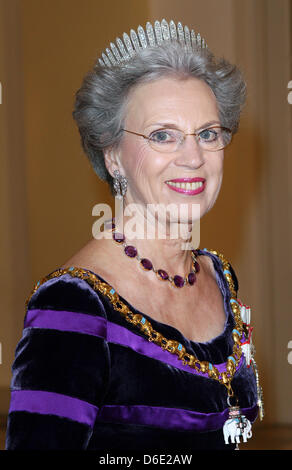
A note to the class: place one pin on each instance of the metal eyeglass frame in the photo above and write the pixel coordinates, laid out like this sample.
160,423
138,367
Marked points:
185,135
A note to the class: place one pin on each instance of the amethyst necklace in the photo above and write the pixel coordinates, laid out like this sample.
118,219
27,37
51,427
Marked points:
146,264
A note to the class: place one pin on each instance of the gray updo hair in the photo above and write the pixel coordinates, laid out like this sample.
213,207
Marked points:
100,103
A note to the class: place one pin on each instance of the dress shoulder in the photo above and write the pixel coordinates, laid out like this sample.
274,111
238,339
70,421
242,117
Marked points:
227,266
69,290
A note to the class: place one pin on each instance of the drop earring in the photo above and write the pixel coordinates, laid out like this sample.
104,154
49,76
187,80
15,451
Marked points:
120,184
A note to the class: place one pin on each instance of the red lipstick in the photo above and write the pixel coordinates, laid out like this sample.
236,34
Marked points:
183,190
186,180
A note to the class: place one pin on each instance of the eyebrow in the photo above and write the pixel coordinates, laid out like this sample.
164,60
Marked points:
174,126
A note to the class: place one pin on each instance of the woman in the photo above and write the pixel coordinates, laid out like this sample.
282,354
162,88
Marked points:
114,356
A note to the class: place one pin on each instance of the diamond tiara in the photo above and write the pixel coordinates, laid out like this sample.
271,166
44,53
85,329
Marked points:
123,51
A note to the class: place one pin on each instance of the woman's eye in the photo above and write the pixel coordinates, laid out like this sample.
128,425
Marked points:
162,136
208,135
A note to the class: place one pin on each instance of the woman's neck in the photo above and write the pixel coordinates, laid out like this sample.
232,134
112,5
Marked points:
166,245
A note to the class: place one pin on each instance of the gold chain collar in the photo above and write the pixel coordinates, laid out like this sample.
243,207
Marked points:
174,347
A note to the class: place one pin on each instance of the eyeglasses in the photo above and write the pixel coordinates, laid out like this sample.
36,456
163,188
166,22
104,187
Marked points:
169,140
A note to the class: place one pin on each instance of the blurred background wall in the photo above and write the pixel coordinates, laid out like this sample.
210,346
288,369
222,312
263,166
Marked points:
48,188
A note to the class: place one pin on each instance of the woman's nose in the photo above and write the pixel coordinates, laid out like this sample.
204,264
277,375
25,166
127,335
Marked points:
190,153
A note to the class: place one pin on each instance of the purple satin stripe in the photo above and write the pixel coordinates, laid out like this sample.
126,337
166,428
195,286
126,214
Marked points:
169,418
120,335
114,333
50,403
66,321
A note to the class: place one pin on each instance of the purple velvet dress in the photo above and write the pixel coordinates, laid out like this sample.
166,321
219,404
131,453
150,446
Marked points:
85,378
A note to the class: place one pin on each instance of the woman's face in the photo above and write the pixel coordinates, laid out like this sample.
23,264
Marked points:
188,105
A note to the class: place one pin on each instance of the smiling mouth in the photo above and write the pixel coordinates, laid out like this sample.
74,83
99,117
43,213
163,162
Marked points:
187,186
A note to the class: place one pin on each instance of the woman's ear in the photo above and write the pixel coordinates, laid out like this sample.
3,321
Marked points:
111,160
